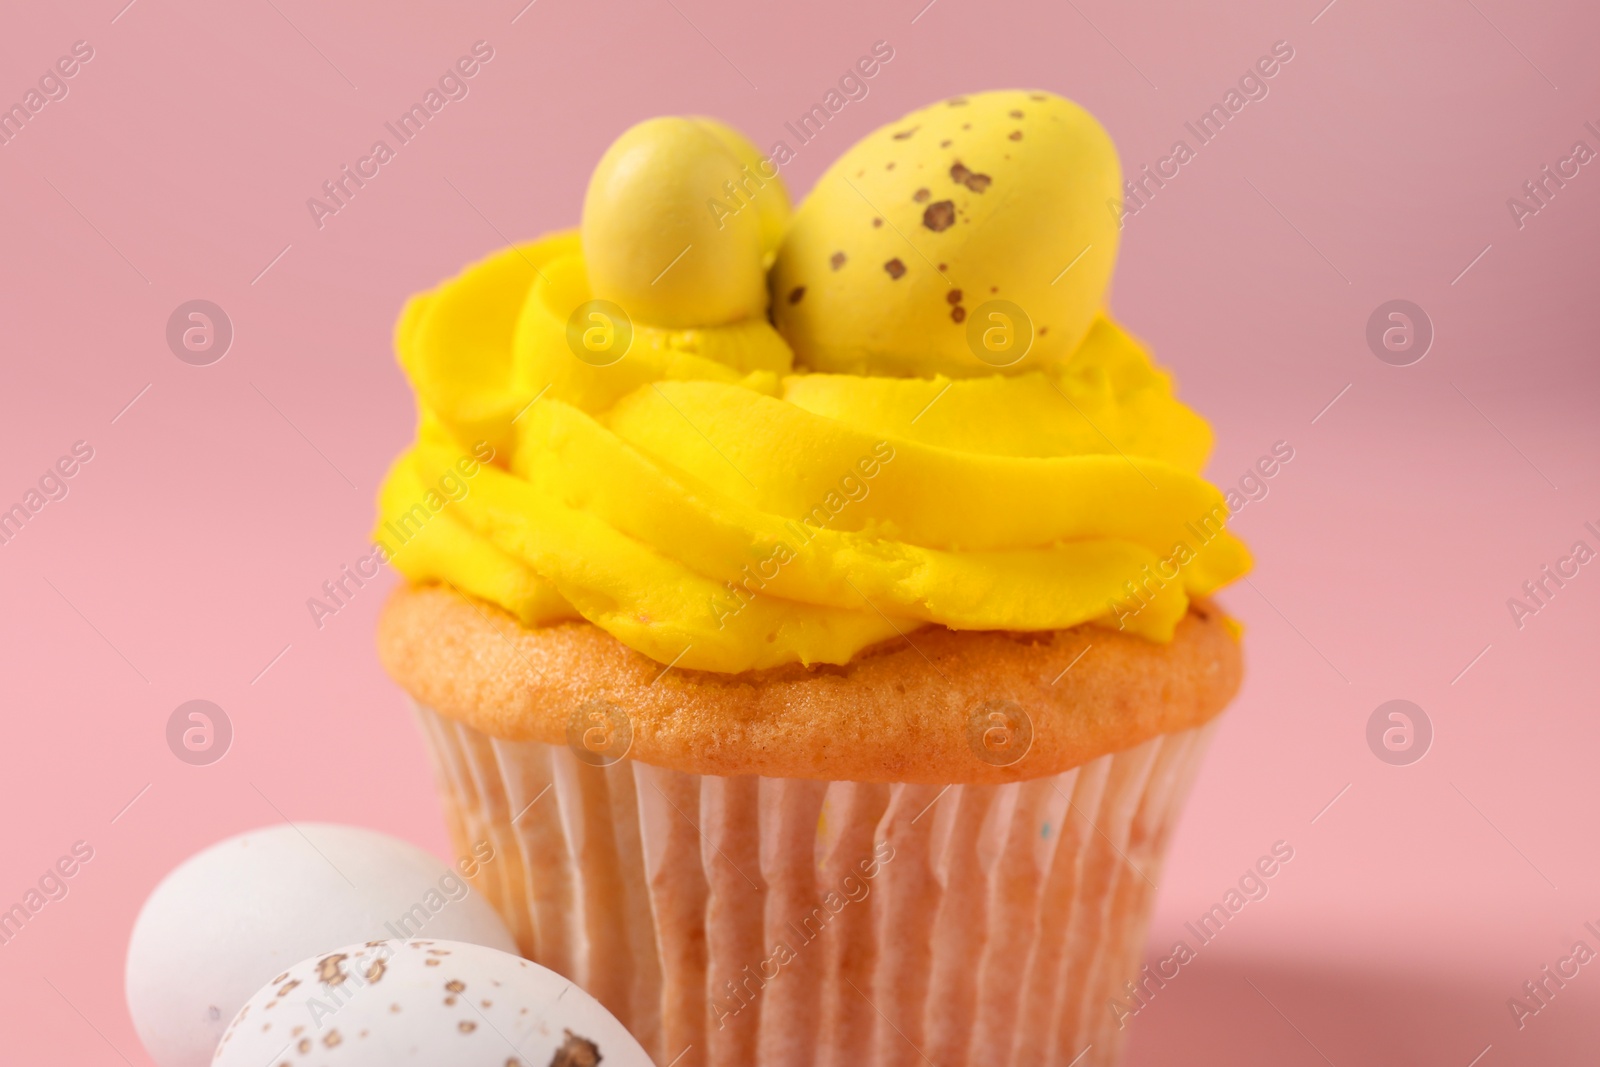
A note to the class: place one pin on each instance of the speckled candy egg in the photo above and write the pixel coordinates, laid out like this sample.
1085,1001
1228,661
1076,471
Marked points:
993,215
234,915
438,1003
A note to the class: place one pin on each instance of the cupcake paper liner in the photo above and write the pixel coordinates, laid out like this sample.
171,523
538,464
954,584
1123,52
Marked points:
771,922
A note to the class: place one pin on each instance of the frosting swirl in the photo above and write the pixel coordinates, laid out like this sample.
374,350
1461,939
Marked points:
711,506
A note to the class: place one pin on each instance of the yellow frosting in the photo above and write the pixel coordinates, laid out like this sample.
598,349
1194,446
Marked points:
712,504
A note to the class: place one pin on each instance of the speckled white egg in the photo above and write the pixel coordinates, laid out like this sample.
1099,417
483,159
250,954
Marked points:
439,1003
229,918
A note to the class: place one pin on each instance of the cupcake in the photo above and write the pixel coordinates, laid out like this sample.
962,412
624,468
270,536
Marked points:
811,608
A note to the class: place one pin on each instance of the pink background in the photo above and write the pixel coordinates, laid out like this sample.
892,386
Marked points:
179,166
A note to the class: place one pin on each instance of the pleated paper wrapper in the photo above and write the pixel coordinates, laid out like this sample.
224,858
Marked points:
772,922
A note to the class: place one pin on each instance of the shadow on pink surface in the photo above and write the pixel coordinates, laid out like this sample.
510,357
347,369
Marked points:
1267,1012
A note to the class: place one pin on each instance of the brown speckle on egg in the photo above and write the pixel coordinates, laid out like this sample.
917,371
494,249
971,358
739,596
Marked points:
297,1031
284,990
877,223
903,134
456,985
1037,96
576,1051
1014,113
895,268
966,125
940,216
958,314
943,267
836,260
395,1008
375,972
304,1046
953,296
449,1002
1015,135
960,174
994,288
957,101
921,196
430,963
329,971
889,165
1043,330
466,1026
280,977
333,1040
796,294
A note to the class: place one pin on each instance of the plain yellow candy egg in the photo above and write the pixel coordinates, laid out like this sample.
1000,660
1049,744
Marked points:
971,237
654,240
